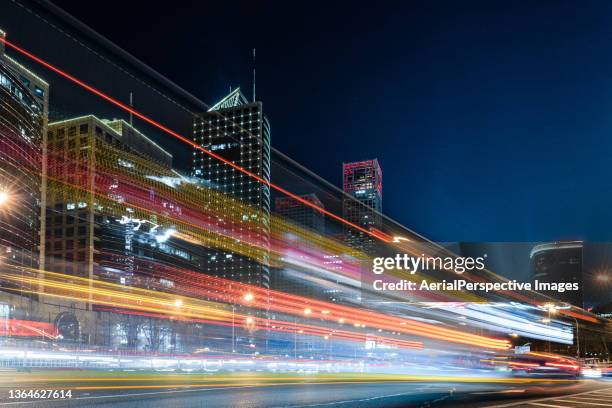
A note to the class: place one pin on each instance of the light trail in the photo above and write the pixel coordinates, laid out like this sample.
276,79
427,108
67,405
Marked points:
295,305
374,233
183,138
198,380
110,294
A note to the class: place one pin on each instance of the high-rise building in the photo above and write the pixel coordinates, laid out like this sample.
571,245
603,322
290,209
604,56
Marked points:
559,262
237,130
362,181
23,121
292,210
21,125
94,165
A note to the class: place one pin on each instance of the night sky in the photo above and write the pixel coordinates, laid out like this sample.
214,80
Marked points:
491,120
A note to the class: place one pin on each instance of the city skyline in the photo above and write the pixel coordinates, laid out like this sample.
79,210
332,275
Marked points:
156,249
427,123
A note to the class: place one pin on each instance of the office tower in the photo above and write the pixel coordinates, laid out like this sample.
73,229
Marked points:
23,121
95,167
307,217
237,130
21,126
303,217
554,262
37,86
362,181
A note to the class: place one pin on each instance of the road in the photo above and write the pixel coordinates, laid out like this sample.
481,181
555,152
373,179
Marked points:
571,394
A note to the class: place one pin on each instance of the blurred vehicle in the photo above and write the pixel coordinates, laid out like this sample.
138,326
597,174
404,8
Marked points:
606,370
544,365
596,368
591,371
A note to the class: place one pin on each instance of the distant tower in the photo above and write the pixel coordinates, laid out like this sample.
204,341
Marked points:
559,262
363,182
238,131
298,213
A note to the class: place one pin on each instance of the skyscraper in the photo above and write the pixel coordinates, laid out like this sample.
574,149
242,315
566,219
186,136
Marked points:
23,123
93,164
363,182
292,210
304,217
554,262
238,131
21,126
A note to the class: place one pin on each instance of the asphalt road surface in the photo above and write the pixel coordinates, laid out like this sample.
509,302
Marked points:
575,394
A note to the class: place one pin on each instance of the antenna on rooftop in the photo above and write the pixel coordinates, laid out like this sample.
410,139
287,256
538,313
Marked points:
254,75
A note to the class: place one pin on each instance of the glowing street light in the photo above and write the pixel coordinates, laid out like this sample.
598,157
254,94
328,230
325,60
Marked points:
178,302
248,297
603,277
307,311
550,307
4,197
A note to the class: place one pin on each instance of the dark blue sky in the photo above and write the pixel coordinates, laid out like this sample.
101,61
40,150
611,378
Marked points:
491,120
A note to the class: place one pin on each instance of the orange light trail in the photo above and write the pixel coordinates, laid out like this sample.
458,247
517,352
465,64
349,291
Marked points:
265,299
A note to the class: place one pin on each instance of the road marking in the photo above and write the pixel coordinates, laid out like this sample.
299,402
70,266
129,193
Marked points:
593,399
548,405
512,391
542,400
583,402
322,404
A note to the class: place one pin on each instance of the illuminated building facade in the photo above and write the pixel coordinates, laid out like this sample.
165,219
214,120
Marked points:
23,116
238,131
302,216
291,209
362,181
95,168
555,262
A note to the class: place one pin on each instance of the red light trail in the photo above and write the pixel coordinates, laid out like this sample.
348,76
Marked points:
220,289
183,138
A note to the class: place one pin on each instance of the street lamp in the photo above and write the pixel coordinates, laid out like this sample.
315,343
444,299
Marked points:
552,309
577,338
233,328
247,297
4,197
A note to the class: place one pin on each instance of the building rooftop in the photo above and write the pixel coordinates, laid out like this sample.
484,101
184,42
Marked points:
233,99
551,246
111,126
